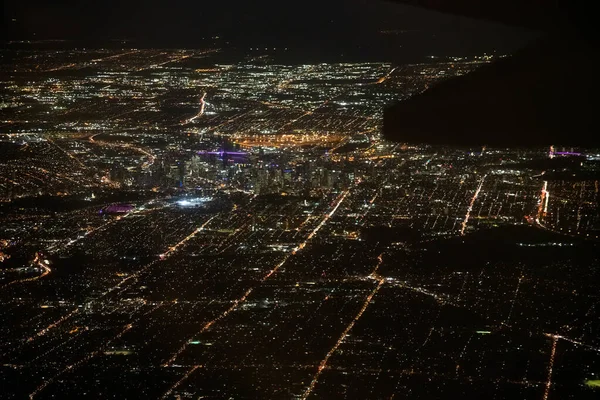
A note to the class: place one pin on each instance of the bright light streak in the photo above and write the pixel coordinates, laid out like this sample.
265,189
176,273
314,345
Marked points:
200,112
542,201
385,77
550,366
468,215
194,201
339,202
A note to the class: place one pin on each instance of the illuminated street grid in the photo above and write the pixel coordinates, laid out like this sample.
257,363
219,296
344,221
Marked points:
176,224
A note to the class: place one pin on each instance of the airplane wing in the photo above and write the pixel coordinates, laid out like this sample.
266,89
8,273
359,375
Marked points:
533,14
542,95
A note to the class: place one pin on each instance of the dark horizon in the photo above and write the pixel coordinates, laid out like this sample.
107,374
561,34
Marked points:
354,27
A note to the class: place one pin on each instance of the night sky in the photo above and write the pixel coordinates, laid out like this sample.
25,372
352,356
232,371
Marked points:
332,25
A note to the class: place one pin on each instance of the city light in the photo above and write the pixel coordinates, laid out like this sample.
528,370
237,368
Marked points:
206,223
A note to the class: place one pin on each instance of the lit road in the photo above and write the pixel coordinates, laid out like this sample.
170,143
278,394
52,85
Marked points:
41,264
241,300
119,286
71,156
380,281
470,209
200,112
550,367
150,157
386,77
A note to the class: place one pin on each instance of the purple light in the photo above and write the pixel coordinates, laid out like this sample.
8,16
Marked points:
117,209
220,153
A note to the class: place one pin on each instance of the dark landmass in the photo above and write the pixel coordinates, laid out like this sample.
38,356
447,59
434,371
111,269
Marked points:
55,204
